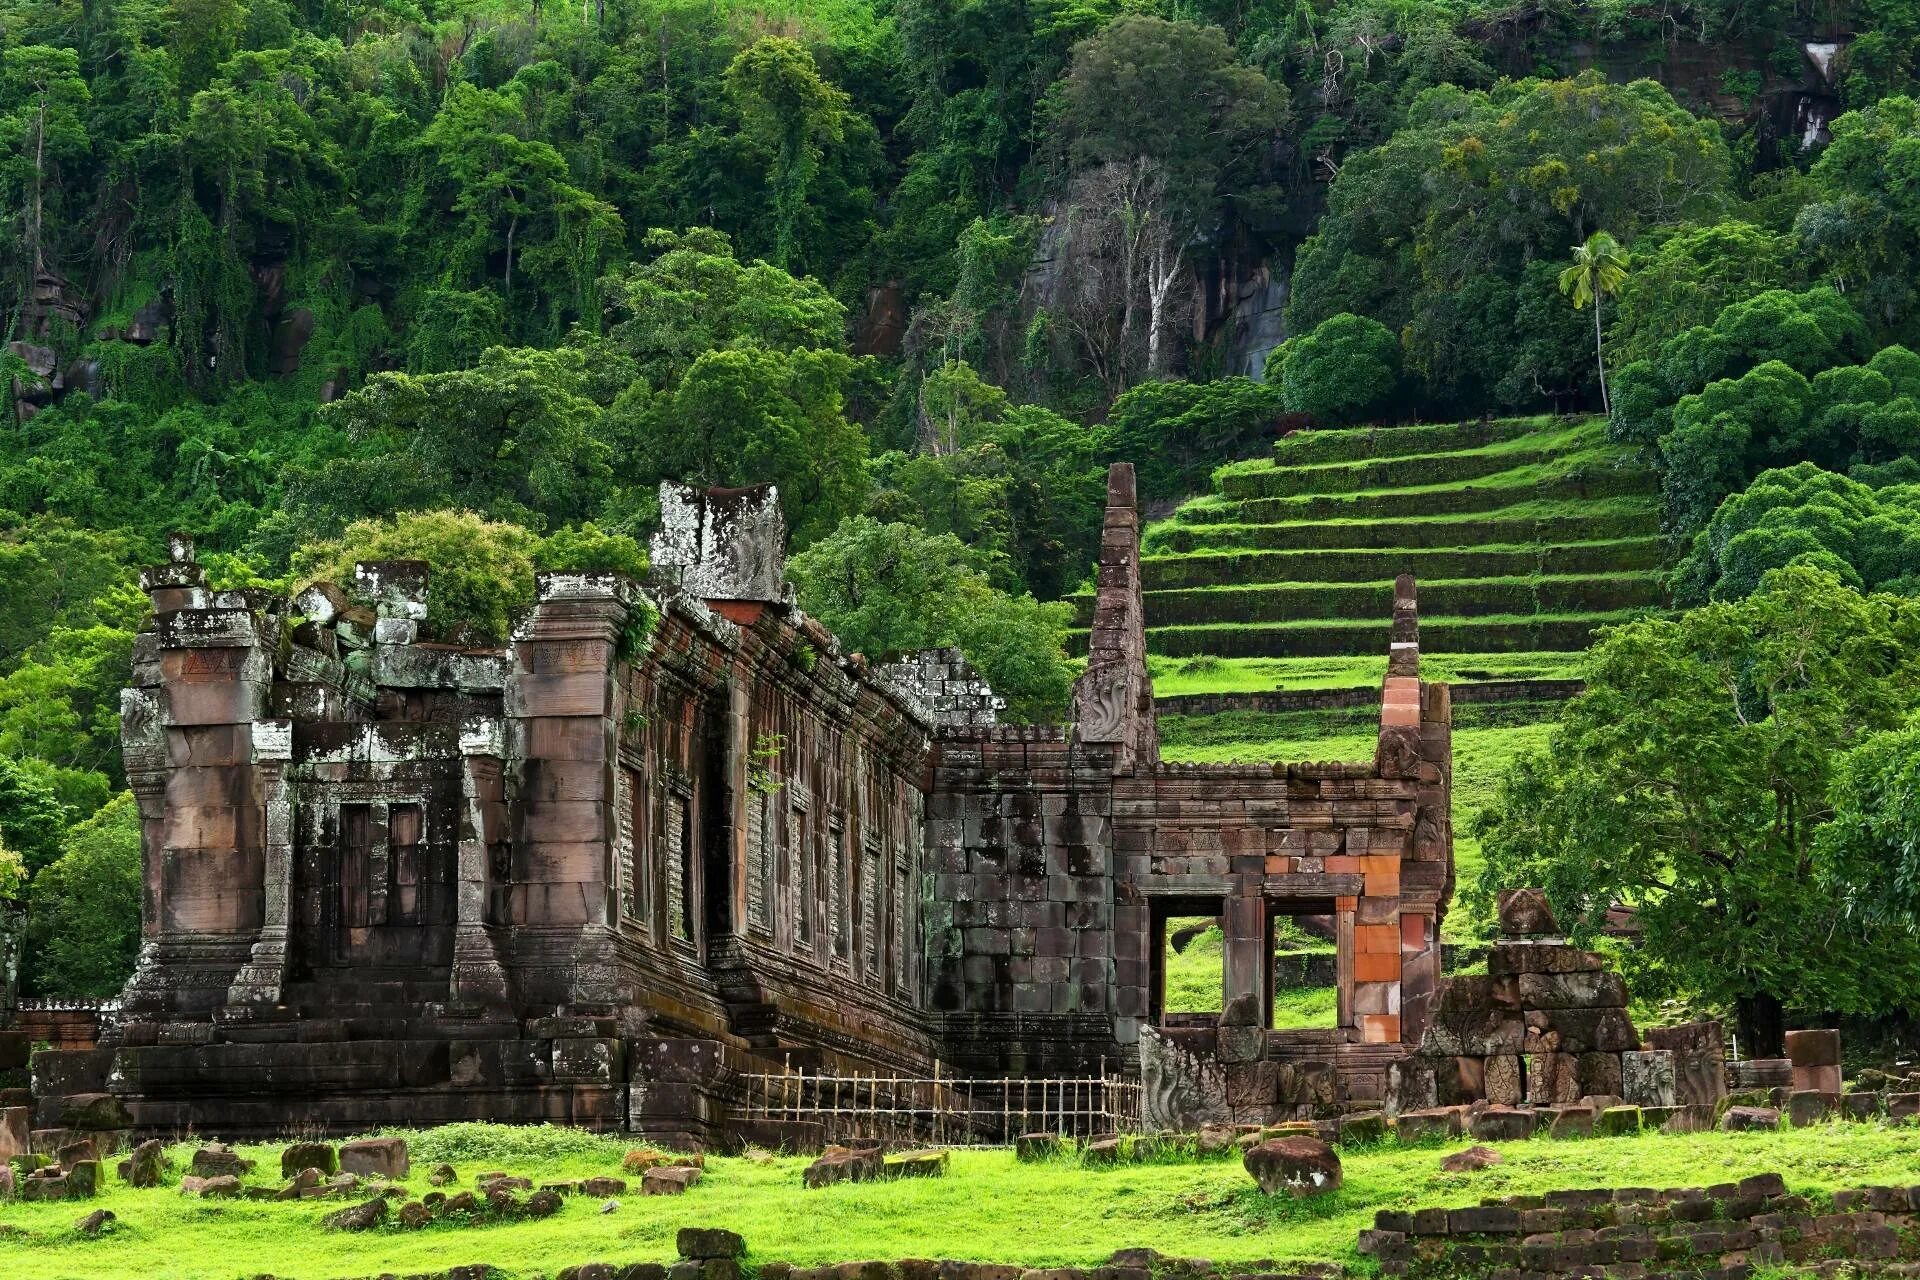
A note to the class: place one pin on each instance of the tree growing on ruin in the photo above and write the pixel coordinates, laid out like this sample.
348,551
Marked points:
1695,781
890,588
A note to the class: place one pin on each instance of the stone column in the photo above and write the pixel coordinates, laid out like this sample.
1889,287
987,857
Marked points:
559,701
478,984
202,685
259,981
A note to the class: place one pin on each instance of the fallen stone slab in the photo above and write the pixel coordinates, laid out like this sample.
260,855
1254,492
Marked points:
94,1223
671,1180
220,1187
217,1159
915,1164
359,1217
843,1164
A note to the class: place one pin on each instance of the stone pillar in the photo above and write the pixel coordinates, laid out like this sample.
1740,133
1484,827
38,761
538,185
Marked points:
479,982
1245,960
1815,1056
201,690
559,702
258,984
1113,699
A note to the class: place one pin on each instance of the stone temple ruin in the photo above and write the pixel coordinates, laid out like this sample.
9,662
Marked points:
671,835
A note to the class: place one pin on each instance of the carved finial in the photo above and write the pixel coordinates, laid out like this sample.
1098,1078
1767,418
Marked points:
180,548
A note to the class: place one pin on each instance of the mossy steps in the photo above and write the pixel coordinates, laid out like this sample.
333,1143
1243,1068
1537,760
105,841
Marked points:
1525,534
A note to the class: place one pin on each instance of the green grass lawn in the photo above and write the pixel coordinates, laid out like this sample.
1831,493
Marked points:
989,1208
1207,674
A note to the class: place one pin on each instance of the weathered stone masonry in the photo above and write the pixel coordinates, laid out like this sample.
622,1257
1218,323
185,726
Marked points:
671,834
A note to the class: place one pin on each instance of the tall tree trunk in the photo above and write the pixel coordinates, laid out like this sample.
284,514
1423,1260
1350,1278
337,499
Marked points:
39,189
1599,358
1165,272
512,227
1762,1024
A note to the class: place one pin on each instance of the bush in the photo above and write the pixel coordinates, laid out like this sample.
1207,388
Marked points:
1176,433
1346,370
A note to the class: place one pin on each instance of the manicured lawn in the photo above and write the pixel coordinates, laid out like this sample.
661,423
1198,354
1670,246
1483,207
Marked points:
989,1208
1173,676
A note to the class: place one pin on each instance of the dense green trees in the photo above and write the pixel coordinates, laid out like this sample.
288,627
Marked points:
470,282
83,921
1431,232
1869,537
1696,780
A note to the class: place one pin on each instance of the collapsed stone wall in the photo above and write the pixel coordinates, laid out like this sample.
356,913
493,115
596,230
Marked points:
1729,1231
1547,1026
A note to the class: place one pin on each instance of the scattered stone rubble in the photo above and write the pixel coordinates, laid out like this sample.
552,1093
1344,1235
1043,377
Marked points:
1542,1043
1729,1231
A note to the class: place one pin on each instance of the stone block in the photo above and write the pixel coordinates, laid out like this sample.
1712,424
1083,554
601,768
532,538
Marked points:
1605,1030
1500,1124
1300,1166
1571,1122
375,1157
1581,990
1501,1079
1430,1124
1808,1049
1741,1119
318,1156
1616,1122
15,1132
1646,1077
217,1159
1541,957
1811,1106
1483,1220
709,1242
669,1180
1364,1128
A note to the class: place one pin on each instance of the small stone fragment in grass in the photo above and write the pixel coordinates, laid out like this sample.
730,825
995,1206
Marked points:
1471,1160
94,1223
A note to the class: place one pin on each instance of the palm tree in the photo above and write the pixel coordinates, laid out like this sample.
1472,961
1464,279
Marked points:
1599,269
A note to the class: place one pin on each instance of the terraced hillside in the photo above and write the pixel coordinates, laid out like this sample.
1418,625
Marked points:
1526,535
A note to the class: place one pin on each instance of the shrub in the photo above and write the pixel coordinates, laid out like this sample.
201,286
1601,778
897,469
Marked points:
1346,370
